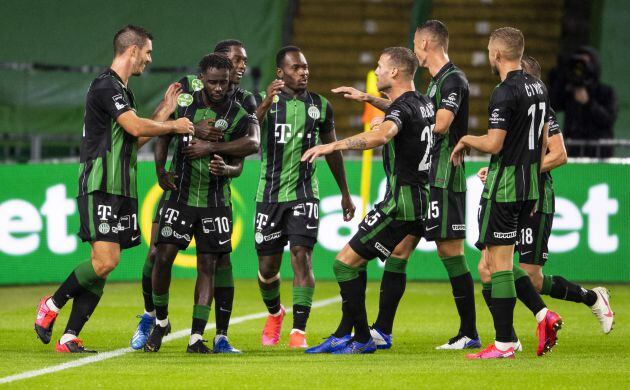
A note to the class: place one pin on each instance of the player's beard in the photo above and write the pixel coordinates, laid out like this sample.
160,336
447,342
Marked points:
494,69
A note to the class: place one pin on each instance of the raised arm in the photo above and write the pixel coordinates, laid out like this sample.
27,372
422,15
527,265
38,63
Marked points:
359,96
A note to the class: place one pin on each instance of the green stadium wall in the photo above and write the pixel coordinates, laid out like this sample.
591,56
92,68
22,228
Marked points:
38,218
76,33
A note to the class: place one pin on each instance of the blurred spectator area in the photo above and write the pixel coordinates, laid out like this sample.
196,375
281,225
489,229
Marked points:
343,39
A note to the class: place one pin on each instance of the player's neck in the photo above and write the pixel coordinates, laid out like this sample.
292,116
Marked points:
436,61
122,67
509,67
397,90
292,92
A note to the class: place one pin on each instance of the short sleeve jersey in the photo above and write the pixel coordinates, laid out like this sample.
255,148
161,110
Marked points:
519,105
196,186
108,153
449,91
293,125
406,157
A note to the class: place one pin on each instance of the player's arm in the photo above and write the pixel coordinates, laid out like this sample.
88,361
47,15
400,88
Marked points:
378,136
335,163
160,154
556,153
544,145
272,90
491,143
240,147
359,96
219,167
165,109
452,93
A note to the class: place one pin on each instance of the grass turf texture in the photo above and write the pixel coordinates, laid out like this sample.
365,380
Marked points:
584,357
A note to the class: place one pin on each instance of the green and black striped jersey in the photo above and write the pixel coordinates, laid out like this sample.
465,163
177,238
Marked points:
406,157
519,106
449,90
196,186
108,152
191,83
547,199
292,125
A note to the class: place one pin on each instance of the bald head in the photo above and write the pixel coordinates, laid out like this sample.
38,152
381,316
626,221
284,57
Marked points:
509,41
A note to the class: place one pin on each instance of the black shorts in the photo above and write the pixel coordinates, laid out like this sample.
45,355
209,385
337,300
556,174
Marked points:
210,226
500,221
379,234
108,217
446,218
533,239
276,224
160,206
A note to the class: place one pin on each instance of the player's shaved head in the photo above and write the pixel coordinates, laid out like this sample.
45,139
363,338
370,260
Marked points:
128,36
403,59
509,41
531,66
435,31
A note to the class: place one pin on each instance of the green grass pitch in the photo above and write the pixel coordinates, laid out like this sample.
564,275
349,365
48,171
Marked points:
584,357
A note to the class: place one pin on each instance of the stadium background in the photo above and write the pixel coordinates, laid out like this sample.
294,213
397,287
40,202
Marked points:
44,73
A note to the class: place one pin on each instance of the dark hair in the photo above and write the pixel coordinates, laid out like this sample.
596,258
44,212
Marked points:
283,52
438,31
403,59
225,45
128,36
214,60
531,66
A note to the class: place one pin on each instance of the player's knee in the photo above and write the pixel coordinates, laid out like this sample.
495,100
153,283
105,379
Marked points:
450,248
104,266
268,270
537,279
484,272
402,252
224,261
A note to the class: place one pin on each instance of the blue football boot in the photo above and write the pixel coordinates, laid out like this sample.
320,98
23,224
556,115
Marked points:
222,345
145,326
354,347
330,345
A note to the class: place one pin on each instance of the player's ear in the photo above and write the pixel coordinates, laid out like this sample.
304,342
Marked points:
395,72
279,73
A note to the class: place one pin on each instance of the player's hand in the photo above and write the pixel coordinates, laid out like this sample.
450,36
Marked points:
457,157
483,174
205,130
217,166
274,89
580,94
377,120
169,103
166,180
183,126
316,151
351,93
197,149
348,207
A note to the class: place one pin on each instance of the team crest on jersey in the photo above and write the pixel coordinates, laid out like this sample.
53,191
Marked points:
103,228
184,100
432,91
196,85
313,112
276,99
167,231
258,237
221,124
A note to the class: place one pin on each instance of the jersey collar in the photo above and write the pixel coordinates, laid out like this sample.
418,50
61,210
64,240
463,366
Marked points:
303,96
448,66
513,73
115,75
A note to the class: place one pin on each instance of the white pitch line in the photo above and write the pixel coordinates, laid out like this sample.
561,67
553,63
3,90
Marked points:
123,351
